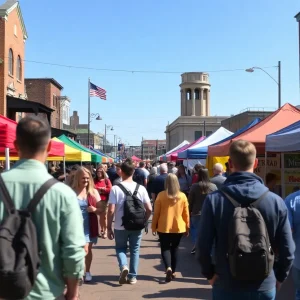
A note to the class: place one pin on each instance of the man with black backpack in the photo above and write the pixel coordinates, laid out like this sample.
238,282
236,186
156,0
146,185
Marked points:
41,233
245,225
130,204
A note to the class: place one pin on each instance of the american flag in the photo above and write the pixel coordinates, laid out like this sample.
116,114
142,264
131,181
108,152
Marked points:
96,91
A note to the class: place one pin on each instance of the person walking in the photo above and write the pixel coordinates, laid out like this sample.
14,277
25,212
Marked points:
171,221
123,236
151,180
57,217
103,186
197,195
231,218
185,180
89,202
292,202
218,179
159,182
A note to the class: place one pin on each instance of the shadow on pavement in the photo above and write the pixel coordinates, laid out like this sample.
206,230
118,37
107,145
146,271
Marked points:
186,293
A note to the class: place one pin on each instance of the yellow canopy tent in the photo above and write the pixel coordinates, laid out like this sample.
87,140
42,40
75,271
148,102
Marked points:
71,154
212,160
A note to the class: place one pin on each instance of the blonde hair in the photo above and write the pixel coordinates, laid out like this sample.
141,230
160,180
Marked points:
172,187
90,189
242,154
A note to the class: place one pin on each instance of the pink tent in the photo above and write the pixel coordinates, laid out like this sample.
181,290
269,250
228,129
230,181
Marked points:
135,158
174,155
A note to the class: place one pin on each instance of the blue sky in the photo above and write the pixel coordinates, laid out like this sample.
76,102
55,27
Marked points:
162,35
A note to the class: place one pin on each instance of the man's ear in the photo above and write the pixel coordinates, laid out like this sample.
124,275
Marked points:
230,164
49,146
255,164
16,146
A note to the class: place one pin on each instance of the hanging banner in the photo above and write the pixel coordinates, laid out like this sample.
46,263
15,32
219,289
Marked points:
273,166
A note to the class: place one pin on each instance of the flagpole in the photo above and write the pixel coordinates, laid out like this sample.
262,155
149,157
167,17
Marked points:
89,113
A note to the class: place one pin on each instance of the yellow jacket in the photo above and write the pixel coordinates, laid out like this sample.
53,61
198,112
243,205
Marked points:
170,217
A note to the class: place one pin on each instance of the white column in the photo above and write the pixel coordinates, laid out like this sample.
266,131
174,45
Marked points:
208,103
201,103
193,102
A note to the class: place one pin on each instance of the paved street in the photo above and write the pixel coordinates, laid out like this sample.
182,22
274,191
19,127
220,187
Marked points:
151,285
189,284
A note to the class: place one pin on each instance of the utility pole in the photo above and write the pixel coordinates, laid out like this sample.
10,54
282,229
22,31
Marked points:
156,148
279,84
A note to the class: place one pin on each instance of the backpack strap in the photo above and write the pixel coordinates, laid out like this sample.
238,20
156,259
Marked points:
125,191
40,194
8,202
234,202
136,189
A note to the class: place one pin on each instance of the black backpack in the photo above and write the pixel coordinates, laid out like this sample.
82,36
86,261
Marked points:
250,254
19,253
134,217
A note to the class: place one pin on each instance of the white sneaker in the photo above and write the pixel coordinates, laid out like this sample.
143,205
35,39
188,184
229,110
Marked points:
123,275
88,277
132,280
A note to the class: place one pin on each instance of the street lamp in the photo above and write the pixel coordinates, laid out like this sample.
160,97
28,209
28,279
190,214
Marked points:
251,70
92,116
109,127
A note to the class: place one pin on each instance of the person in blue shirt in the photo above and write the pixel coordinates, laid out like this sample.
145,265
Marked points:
245,187
159,182
292,202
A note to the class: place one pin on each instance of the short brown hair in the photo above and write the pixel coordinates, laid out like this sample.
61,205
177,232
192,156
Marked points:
127,169
242,154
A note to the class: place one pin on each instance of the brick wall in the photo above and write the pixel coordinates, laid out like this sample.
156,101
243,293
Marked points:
10,40
45,92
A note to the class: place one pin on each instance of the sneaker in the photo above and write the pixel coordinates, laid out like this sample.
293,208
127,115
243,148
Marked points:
123,275
132,280
193,250
169,275
88,277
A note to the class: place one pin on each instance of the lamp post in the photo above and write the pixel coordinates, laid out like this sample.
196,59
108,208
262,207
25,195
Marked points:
251,70
106,127
91,117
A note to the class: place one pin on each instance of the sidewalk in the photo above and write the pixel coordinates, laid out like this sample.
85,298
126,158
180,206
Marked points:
189,283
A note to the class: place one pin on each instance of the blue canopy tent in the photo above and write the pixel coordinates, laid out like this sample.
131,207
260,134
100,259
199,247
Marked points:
284,140
199,151
238,132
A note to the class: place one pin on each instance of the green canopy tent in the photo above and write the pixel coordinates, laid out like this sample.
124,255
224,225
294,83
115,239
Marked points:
96,158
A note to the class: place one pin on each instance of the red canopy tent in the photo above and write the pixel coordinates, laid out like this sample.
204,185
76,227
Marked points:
284,116
135,158
8,136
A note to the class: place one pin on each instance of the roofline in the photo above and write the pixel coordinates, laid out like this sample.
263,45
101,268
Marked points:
52,80
298,17
5,10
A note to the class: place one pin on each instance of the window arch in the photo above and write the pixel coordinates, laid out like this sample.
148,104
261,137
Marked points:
19,68
197,94
10,62
188,94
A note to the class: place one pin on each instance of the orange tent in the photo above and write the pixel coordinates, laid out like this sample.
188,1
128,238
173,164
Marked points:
283,117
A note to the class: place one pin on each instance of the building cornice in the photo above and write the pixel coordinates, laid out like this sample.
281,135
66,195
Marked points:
5,10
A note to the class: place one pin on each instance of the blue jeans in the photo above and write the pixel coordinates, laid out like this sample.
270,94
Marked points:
134,238
296,277
220,294
195,220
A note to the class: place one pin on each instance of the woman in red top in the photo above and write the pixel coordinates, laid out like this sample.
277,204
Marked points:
103,186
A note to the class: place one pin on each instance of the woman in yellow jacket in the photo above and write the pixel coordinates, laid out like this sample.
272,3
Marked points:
171,221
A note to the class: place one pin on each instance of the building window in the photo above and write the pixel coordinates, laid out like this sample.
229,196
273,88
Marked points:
198,135
10,62
54,100
208,133
204,78
188,94
19,68
197,94
15,30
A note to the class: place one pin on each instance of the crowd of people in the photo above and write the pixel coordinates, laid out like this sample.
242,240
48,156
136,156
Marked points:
241,258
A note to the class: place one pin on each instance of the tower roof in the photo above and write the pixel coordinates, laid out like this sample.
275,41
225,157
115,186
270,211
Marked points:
7,7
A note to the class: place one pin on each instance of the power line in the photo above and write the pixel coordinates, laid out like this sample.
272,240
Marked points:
131,71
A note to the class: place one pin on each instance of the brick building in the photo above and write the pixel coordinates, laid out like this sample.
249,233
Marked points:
150,149
47,91
13,35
